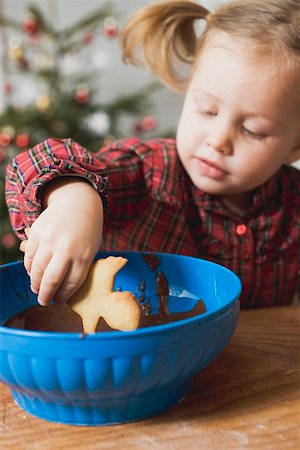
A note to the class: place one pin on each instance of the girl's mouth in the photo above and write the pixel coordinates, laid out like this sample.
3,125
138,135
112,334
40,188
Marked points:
211,170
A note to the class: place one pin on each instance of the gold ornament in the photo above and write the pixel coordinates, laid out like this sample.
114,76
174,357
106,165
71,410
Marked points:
43,102
15,50
16,53
9,130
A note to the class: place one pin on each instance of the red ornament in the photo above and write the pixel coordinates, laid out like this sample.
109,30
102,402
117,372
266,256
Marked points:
5,139
110,32
82,95
30,25
8,88
22,140
110,29
9,240
148,123
88,37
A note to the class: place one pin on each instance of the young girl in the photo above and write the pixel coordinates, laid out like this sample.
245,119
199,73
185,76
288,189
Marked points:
222,191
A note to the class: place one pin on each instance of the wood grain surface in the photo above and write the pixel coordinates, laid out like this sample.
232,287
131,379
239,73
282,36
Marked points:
248,398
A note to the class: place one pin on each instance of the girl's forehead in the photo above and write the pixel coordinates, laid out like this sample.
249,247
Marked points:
220,48
227,71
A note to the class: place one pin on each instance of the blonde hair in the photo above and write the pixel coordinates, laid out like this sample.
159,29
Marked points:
165,33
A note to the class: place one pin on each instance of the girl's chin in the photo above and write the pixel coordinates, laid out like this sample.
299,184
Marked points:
209,185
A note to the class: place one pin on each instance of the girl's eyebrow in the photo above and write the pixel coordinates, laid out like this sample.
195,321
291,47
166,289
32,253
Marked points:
198,91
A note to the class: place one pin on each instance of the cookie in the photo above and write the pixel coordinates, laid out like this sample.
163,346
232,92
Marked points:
96,299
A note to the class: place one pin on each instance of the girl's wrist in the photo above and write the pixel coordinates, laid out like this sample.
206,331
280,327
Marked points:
67,189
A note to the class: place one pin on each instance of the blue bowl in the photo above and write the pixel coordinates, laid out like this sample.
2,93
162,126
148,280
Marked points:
117,377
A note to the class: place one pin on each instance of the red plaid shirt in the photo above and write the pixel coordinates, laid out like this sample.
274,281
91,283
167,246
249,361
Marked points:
153,206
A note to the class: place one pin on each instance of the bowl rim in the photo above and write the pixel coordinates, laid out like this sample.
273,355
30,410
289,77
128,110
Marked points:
153,329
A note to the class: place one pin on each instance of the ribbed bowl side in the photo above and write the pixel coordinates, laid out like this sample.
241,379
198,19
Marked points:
119,389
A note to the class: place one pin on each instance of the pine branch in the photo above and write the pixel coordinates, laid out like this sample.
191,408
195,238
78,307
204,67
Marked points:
44,26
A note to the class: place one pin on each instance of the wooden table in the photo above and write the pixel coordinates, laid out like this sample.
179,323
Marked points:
248,398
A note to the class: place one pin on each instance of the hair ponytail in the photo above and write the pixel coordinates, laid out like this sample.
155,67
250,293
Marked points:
165,35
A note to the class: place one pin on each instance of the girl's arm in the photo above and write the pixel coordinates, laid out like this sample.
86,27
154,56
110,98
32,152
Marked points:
54,189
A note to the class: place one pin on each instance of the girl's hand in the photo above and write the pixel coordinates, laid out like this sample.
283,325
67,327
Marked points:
64,240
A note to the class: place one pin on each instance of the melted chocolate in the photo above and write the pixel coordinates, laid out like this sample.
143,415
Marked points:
61,318
152,260
158,319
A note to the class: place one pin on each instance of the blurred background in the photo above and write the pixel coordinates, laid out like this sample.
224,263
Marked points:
62,76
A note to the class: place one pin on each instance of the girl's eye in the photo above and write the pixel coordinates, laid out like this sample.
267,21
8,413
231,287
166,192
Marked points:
253,134
208,113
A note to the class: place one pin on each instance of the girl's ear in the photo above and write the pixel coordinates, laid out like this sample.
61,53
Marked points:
294,155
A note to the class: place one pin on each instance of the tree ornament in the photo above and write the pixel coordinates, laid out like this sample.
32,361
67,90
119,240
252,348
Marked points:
88,37
99,122
43,102
5,139
9,240
110,29
15,50
30,24
82,94
22,140
7,133
8,88
147,123
16,53
8,129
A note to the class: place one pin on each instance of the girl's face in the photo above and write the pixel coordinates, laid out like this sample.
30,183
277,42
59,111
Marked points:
240,122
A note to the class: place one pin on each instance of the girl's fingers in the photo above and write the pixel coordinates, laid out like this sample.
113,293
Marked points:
76,275
38,265
53,276
31,247
22,246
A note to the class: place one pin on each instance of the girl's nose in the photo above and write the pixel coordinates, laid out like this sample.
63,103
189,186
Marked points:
220,141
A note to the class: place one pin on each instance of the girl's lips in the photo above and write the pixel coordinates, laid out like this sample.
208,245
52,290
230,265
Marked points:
211,170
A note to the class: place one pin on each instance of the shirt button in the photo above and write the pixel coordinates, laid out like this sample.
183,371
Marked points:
241,229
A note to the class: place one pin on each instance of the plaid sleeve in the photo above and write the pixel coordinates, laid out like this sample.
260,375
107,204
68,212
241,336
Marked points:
30,170
129,165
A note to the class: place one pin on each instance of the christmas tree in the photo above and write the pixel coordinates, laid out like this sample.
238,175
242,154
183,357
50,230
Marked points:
64,104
